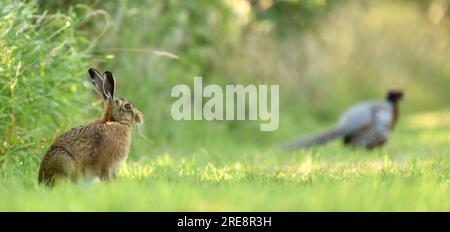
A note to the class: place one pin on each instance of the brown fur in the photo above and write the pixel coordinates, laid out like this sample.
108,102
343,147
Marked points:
95,149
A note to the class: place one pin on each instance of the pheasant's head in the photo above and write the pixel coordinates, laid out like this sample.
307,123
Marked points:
394,96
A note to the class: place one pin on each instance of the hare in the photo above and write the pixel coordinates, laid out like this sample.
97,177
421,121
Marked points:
95,149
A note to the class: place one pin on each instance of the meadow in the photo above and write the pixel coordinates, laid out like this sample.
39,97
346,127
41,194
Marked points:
404,176
324,55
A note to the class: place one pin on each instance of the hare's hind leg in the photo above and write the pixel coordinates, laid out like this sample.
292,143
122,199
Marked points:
57,164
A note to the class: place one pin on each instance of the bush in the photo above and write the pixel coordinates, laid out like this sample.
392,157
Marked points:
42,67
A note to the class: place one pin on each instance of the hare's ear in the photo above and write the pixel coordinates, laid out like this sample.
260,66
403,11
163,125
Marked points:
109,85
97,81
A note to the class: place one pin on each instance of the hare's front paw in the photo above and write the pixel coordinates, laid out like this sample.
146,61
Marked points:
90,180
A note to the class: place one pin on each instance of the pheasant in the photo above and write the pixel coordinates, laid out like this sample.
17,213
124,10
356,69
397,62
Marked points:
367,124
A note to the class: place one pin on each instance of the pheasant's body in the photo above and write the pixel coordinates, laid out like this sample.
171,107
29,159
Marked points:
366,124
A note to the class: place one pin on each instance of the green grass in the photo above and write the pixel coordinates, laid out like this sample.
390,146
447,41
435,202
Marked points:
410,174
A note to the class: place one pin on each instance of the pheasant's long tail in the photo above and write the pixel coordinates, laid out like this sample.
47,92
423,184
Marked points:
317,139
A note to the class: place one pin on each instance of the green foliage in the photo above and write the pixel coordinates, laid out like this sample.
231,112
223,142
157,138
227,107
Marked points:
295,15
42,68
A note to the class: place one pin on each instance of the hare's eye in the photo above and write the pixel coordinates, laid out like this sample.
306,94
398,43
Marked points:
127,106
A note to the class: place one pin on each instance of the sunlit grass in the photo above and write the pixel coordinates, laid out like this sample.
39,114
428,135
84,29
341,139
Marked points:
403,176
430,120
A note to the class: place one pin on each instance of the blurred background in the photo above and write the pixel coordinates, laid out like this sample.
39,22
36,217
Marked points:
325,55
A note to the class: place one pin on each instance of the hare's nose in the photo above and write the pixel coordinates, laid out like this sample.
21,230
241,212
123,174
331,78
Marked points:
137,117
